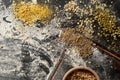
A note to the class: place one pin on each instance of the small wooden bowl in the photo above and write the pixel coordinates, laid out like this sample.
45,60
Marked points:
81,68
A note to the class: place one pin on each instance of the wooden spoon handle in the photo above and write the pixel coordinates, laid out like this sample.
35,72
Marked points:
108,52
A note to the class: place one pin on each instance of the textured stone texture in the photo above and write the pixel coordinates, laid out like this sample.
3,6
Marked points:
31,53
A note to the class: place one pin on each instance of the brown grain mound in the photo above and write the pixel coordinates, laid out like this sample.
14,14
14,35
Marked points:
83,45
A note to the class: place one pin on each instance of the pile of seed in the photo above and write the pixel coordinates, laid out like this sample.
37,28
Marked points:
107,28
84,21
81,75
95,21
81,44
29,12
107,22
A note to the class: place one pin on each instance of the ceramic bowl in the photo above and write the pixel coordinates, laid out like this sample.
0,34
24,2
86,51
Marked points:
81,68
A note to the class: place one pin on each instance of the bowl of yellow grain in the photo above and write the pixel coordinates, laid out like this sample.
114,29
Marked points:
81,73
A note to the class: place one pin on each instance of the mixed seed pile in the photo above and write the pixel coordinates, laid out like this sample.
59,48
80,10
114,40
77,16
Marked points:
73,33
95,20
81,75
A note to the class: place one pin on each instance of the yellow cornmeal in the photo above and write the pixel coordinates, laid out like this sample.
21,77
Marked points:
29,12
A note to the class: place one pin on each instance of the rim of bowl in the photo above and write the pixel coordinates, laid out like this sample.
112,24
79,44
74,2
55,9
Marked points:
81,68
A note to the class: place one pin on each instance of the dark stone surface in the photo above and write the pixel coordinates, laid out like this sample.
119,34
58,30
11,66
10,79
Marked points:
7,3
38,60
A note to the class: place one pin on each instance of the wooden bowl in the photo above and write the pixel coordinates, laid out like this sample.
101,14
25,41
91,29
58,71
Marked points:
81,68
